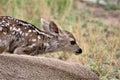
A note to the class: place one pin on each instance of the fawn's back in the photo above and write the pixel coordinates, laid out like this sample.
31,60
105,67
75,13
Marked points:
20,37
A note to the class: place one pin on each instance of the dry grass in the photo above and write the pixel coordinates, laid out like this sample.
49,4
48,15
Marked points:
100,42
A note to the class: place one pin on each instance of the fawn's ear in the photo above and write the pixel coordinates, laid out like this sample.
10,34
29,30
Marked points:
50,28
45,25
53,28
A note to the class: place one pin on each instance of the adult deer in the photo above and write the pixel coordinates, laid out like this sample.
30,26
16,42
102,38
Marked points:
20,37
24,67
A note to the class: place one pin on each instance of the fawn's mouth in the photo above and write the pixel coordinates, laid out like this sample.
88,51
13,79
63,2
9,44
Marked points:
79,51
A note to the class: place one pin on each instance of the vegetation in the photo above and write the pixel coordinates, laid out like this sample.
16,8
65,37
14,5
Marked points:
100,42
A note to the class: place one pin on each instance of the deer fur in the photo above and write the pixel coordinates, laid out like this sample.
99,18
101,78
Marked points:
20,37
15,67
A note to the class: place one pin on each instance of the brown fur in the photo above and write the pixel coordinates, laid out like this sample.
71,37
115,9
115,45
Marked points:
15,67
23,37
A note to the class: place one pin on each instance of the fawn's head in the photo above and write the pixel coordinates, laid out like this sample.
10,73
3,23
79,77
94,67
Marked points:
62,40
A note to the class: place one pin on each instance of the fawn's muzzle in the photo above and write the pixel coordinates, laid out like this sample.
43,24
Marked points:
79,51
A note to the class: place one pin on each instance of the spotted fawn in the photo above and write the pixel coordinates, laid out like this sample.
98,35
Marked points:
20,37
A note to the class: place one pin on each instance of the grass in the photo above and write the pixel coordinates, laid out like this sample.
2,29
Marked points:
100,42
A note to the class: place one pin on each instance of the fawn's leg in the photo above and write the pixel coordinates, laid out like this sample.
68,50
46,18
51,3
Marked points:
29,50
33,49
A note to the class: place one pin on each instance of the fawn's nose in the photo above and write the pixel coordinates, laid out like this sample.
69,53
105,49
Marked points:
79,51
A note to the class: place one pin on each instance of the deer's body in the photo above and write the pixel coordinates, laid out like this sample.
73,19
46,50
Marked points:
17,36
15,67
15,33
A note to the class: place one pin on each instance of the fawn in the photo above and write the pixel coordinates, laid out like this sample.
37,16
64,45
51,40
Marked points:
20,37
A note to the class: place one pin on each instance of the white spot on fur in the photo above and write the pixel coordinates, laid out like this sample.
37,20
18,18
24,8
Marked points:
34,31
2,25
10,18
25,27
13,32
4,17
30,31
39,37
47,45
7,24
3,21
19,29
26,34
32,45
16,20
10,28
4,33
20,32
34,40
14,28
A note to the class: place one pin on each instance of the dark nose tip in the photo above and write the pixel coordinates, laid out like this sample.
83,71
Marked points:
79,51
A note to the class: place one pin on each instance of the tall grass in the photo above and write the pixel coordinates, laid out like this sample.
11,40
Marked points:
100,42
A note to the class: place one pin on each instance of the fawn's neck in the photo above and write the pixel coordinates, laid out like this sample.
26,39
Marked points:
49,45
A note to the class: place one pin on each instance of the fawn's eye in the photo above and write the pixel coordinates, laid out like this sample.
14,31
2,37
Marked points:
72,42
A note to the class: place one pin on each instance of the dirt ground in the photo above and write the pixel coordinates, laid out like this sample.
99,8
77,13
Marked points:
109,17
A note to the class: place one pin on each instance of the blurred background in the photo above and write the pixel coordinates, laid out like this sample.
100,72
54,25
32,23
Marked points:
94,23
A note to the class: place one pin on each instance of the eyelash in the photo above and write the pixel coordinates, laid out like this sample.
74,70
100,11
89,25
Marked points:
72,42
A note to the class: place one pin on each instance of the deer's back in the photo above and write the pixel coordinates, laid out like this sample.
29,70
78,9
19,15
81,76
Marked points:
15,67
